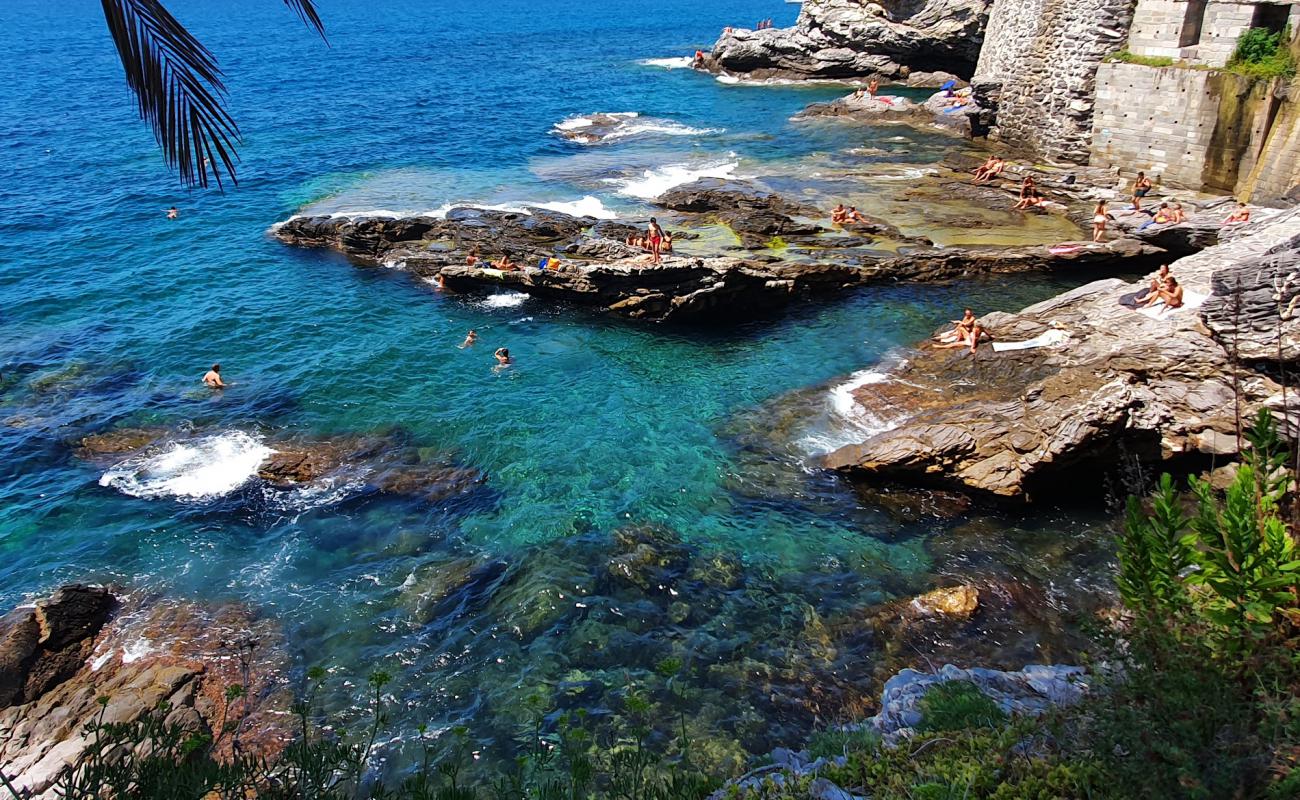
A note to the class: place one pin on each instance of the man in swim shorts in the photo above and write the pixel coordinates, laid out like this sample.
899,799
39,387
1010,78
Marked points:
1141,188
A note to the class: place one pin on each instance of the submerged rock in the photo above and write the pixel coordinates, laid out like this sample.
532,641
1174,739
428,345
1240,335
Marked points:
958,601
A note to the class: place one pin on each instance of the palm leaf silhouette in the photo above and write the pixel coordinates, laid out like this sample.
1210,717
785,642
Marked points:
179,87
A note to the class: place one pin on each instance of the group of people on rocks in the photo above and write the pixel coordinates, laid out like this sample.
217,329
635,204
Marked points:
764,24
846,216
1164,288
870,89
655,241
966,332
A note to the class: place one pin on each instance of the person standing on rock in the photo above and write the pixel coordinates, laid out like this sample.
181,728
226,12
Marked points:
872,87
1099,217
655,237
212,379
1141,188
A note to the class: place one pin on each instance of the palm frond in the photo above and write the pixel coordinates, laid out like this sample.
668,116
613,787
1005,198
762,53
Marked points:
307,13
179,89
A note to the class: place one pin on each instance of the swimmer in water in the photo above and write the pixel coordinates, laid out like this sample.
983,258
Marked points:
439,282
212,380
470,339
503,357
172,213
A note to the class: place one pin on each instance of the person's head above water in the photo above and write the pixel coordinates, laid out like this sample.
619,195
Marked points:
216,367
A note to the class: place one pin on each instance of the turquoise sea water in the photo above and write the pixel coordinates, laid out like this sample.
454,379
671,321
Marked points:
109,313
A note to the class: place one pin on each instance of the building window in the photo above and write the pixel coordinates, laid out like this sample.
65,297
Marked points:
1270,15
1193,19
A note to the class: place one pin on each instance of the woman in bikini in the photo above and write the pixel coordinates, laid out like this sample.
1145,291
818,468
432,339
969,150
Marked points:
1099,217
655,239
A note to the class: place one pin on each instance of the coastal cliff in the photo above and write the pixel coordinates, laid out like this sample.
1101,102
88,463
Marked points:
850,39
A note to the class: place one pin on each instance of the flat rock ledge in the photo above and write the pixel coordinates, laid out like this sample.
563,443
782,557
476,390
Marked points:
1108,383
597,270
1029,692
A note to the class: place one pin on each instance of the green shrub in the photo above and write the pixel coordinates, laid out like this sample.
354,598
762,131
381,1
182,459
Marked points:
838,742
957,705
1263,54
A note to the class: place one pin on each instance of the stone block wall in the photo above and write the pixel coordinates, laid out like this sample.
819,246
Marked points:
1224,24
1195,129
1045,55
1158,28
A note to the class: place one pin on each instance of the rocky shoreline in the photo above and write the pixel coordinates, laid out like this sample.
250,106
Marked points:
1112,384
588,263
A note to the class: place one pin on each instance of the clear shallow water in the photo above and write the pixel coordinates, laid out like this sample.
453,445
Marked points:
110,313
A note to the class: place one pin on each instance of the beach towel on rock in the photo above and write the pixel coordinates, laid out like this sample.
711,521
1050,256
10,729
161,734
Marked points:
1191,300
1052,338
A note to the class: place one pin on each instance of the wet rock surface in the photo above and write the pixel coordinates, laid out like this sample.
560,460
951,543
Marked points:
1110,381
149,653
847,39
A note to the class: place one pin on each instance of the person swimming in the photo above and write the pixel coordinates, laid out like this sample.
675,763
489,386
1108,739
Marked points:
212,379
470,339
172,213
503,358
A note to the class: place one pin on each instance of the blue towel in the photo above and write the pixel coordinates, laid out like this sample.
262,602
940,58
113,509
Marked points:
542,264
947,86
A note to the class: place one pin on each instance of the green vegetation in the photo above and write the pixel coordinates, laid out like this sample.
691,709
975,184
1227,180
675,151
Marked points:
958,705
1198,697
1125,57
1263,54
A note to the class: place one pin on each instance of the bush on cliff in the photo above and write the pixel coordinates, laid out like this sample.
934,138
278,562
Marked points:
1263,54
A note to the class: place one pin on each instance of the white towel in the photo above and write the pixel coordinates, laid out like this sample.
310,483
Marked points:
1052,338
1161,311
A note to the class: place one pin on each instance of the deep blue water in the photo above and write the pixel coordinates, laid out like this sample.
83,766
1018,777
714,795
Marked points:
109,313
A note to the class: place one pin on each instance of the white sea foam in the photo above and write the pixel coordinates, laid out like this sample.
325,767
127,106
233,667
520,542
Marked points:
846,421
682,62
654,182
587,206
605,128
194,469
503,300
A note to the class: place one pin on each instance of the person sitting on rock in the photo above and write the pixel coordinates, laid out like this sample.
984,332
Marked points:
1141,188
1176,209
505,264
1028,194
1171,294
991,171
667,246
966,332
1163,216
1240,215
982,169
839,215
699,59
212,379
1154,286
853,215
470,339
472,258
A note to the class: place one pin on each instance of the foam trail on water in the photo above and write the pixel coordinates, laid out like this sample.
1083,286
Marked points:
682,62
195,469
654,182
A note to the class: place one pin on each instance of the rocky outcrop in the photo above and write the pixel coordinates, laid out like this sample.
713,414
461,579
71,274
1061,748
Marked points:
42,646
941,110
848,39
756,215
1107,383
181,656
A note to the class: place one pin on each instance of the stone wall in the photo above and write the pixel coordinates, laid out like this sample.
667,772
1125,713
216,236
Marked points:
1196,129
1045,54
